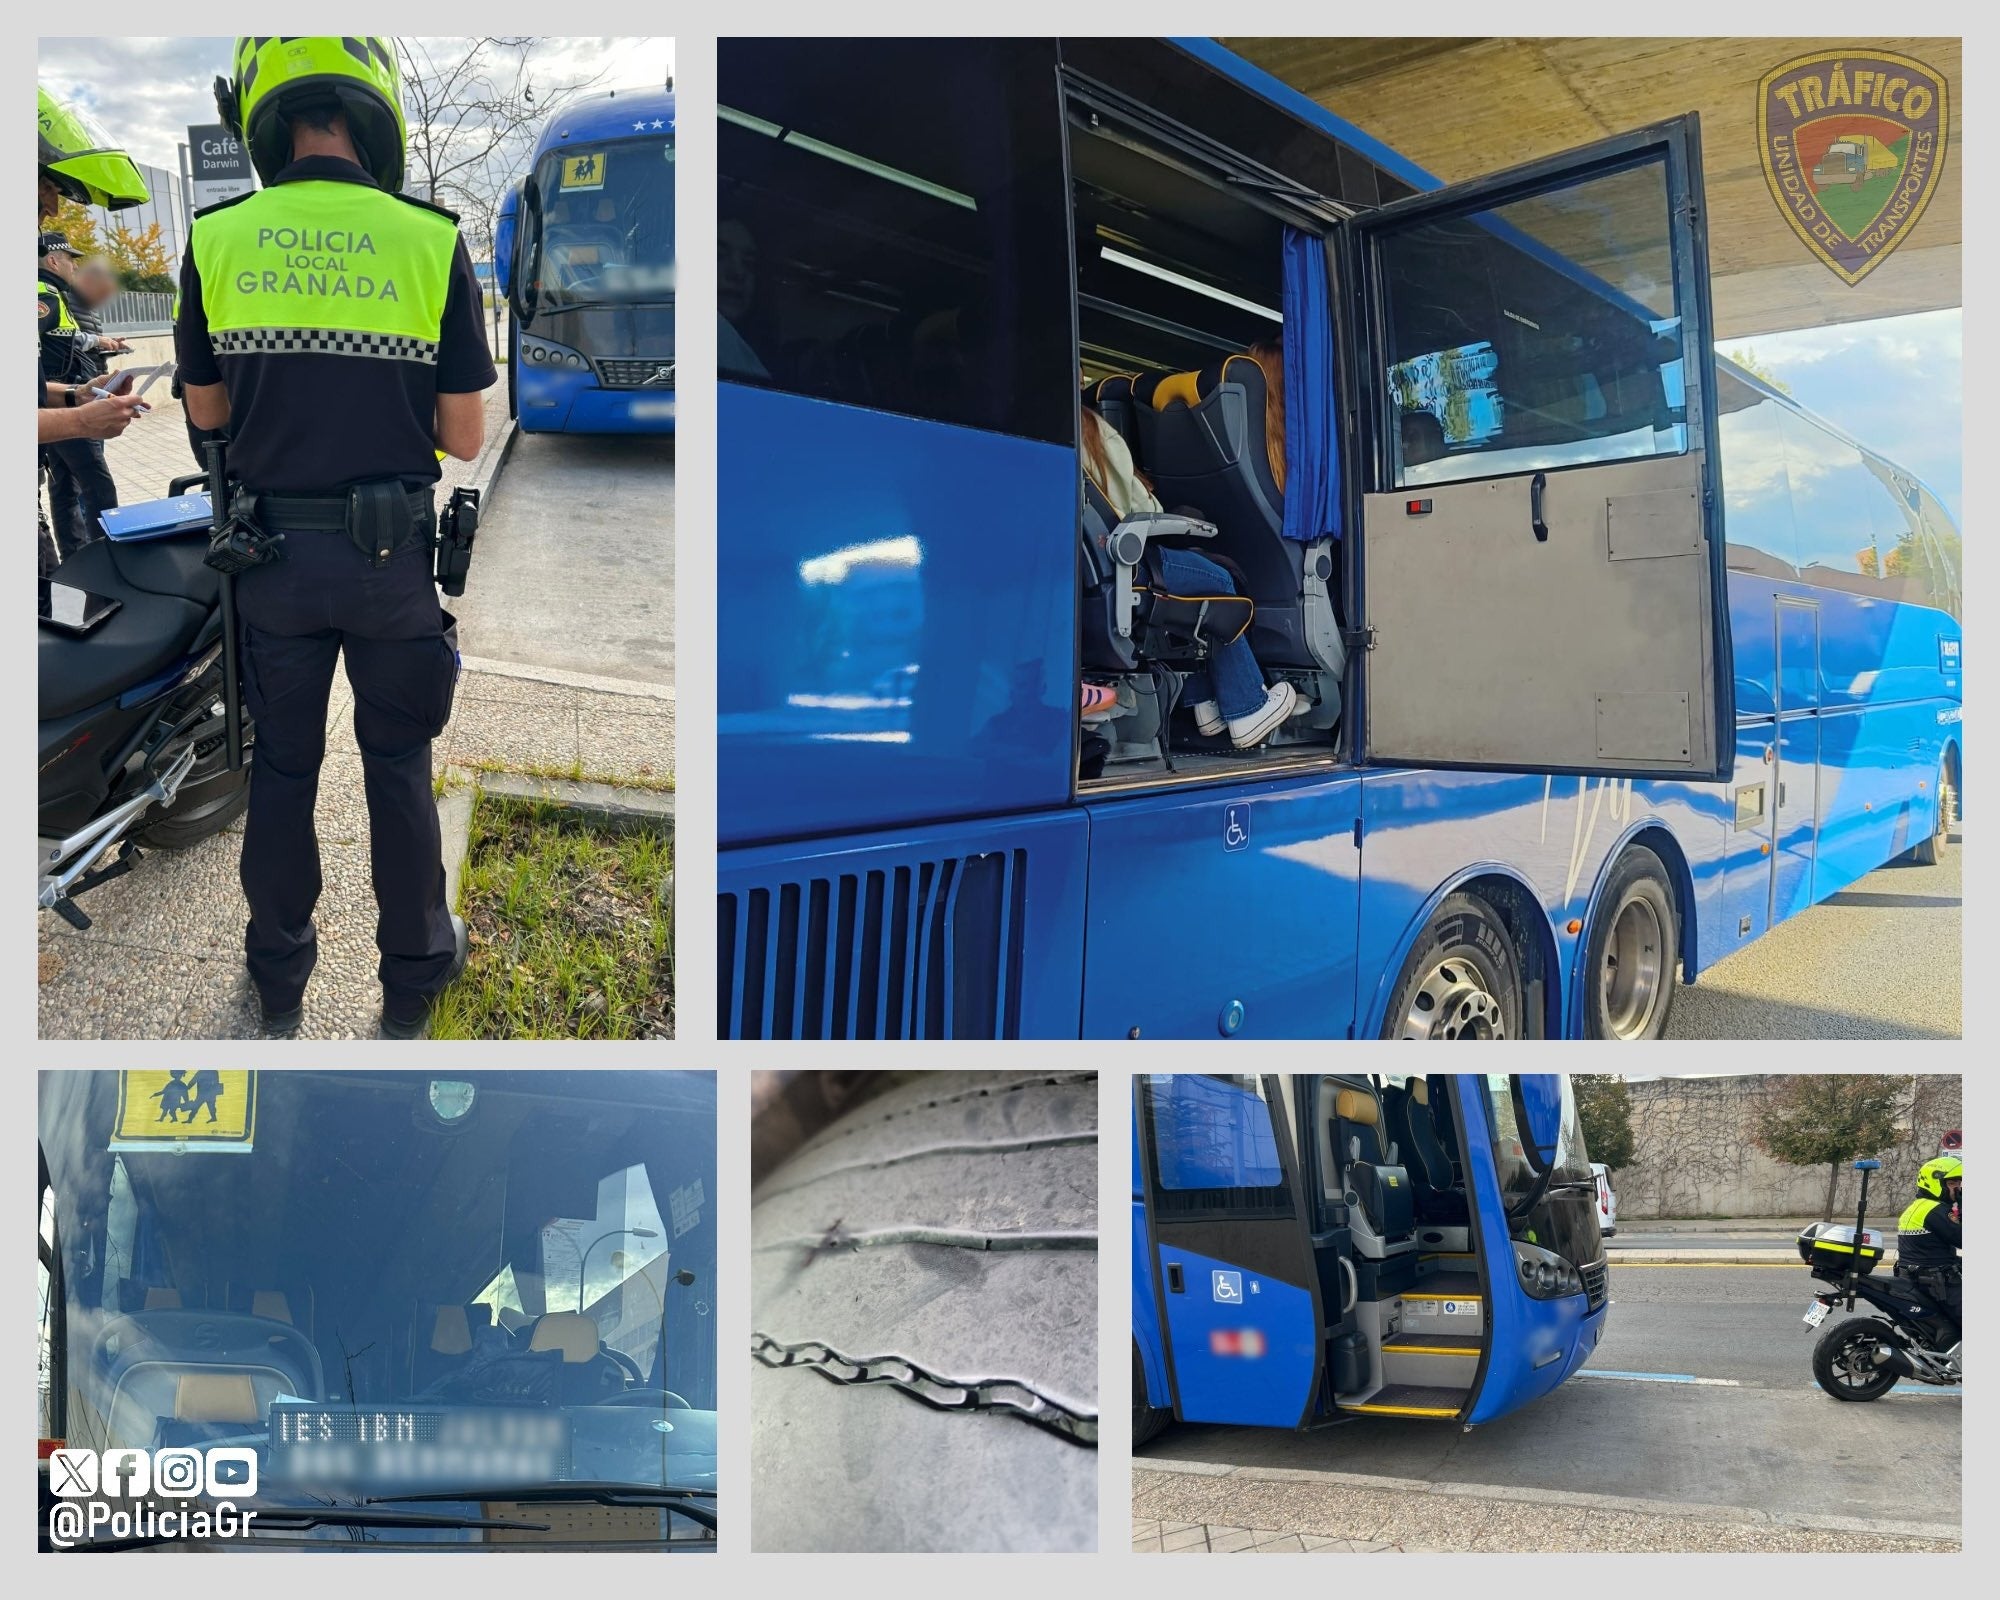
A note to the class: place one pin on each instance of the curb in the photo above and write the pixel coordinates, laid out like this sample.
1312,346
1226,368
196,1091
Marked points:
487,465
1717,1258
613,804
455,828
1735,1515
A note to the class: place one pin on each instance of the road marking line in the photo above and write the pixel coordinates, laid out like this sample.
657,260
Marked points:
1659,1377
1705,1266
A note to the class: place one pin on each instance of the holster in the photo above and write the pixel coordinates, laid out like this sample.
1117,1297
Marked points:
242,542
379,520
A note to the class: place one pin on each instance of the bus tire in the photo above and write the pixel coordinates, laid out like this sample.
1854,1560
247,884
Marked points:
513,385
1148,1420
1463,979
977,1194
1931,850
1630,952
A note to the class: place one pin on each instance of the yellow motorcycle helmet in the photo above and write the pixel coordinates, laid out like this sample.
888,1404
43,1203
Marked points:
273,77
79,157
1934,1174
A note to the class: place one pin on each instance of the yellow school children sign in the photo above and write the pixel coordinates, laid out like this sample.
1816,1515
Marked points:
197,1110
584,171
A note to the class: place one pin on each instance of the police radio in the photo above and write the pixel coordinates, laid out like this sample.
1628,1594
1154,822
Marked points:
458,526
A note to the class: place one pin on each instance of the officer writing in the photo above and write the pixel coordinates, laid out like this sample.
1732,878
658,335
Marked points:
1929,1234
74,348
332,325
74,160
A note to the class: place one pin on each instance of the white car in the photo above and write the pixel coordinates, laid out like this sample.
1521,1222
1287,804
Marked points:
1607,1202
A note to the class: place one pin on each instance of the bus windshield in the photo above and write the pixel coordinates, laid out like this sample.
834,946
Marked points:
606,225
510,1274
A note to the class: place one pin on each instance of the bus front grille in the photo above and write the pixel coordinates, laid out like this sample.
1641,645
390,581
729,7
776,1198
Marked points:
1596,1277
619,372
922,950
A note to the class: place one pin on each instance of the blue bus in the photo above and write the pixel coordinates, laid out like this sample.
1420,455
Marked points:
1607,657
1308,1249
584,253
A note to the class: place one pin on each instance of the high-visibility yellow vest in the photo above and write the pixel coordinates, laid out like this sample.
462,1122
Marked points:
321,266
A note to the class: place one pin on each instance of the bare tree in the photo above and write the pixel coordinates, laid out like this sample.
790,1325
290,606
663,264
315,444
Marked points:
473,107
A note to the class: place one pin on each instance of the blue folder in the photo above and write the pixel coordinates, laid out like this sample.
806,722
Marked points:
157,519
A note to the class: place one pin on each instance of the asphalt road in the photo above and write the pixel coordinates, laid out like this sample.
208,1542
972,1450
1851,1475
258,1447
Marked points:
574,569
1880,960
1756,1435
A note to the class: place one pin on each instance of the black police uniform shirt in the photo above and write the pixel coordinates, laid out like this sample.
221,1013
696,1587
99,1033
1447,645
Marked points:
1936,1244
311,422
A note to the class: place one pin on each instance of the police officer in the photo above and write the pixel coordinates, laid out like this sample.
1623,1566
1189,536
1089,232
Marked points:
74,160
332,324
73,353
1929,1234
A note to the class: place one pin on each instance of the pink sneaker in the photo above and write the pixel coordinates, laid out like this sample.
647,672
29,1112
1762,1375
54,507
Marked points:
1098,702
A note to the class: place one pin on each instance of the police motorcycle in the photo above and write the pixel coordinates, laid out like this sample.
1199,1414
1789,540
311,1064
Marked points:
142,738
1908,1335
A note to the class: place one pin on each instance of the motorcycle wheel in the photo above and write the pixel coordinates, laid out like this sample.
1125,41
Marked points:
1838,1357
211,797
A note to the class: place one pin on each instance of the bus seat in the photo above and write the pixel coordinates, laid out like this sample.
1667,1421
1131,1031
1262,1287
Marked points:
160,1299
1431,1176
1113,400
271,1303
216,1397
1377,1191
1202,442
571,1332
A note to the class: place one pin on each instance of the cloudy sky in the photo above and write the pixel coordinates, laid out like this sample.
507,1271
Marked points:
1895,384
148,92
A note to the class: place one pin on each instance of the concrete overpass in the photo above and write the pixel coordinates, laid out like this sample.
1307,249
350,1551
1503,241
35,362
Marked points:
1463,107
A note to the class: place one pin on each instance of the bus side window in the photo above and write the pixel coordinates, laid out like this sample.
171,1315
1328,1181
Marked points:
1214,1145
893,226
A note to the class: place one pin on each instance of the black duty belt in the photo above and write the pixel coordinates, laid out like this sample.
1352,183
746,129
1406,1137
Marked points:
325,513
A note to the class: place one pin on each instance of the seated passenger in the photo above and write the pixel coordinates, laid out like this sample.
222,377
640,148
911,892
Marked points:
1230,693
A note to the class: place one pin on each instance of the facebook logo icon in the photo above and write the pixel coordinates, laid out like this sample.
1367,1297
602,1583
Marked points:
126,1474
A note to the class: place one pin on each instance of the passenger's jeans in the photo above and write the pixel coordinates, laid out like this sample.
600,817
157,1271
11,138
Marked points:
1233,679
80,487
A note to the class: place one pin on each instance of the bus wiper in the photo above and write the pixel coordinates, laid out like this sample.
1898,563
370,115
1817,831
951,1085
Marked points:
674,1498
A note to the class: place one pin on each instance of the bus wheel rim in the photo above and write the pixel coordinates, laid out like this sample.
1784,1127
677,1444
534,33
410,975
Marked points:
1454,1002
1630,978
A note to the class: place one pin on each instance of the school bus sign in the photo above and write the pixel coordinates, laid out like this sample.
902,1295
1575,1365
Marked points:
1852,147
185,1109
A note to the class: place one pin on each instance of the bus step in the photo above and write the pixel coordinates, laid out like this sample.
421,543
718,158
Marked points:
1430,1359
1412,1400
1445,1286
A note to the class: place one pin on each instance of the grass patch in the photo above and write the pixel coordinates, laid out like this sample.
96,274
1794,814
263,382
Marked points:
576,772
572,928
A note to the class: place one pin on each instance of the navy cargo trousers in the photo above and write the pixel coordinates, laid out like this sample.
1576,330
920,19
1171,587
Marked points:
323,601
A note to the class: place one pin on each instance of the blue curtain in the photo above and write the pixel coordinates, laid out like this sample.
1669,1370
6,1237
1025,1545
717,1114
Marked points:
1312,442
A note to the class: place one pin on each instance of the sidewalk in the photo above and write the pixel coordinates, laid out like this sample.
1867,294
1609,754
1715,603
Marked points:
1321,1512
163,959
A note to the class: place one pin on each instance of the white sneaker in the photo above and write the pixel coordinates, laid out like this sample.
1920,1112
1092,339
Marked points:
1254,729
1208,718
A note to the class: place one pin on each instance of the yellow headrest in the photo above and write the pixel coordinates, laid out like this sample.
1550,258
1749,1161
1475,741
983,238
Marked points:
451,1331
215,1397
571,1332
271,1303
1420,1091
163,1299
1182,386
1352,1105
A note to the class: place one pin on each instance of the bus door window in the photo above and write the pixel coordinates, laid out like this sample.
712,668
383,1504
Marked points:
1541,536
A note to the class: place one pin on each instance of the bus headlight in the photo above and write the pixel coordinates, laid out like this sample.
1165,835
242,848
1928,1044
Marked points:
1544,1274
541,353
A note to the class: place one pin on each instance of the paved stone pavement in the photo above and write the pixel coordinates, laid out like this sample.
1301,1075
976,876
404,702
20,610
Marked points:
163,959
1199,1538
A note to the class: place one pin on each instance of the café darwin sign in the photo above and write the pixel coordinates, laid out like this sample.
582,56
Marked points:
1852,146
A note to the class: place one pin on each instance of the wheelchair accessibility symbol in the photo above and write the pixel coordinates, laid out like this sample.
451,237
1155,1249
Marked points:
1235,826
1227,1287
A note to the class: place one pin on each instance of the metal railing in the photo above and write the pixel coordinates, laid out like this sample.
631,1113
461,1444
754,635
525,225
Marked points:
137,311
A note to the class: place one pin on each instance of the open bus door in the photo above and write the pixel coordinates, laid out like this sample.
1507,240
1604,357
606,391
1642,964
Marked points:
1231,1261
1541,570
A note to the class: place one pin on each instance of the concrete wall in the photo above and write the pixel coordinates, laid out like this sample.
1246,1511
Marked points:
1696,1156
